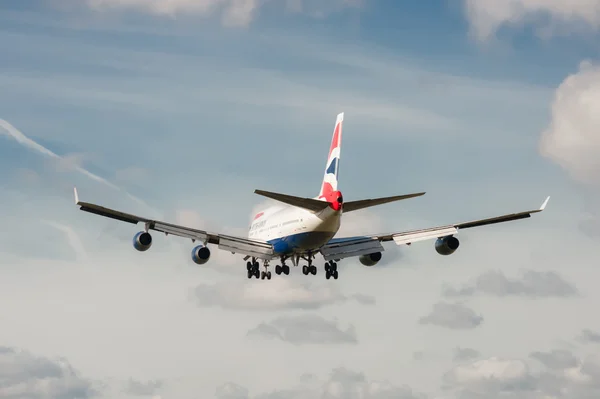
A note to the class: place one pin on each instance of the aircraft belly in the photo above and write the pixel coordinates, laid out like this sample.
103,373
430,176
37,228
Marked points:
301,241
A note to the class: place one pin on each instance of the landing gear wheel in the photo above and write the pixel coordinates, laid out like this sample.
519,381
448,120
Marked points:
249,266
268,275
285,269
250,273
313,270
256,273
305,270
278,269
331,270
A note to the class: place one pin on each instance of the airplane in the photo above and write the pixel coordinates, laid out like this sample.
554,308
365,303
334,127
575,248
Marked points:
300,228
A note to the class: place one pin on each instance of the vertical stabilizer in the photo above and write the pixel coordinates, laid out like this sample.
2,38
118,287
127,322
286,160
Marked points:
330,177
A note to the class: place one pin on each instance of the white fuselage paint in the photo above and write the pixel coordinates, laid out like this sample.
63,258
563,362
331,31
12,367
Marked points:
293,229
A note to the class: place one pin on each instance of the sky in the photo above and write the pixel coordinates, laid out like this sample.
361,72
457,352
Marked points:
180,109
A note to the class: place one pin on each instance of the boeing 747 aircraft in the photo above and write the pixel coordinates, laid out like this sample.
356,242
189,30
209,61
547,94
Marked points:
300,228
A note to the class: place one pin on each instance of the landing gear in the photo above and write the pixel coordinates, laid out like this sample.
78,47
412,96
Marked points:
285,269
252,268
310,269
331,270
265,275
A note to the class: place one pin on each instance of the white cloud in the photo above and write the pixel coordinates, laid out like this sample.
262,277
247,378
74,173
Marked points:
487,16
532,284
452,315
23,375
572,138
341,383
277,294
305,329
514,378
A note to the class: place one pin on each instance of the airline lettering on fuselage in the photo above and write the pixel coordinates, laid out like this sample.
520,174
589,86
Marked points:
258,225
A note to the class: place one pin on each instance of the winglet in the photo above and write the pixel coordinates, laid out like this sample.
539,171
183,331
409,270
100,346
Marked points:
545,203
76,196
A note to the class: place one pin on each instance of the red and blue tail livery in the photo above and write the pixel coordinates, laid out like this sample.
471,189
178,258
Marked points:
298,229
330,177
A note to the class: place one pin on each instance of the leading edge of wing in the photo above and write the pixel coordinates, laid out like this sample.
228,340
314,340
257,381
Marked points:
240,244
408,237
504,218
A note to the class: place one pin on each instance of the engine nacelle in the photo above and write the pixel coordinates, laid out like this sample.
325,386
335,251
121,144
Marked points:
142,241
446,245
200,254
370,259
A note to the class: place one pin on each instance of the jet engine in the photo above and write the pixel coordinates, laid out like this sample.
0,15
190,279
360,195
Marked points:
370,259
142,241
200,254
446,245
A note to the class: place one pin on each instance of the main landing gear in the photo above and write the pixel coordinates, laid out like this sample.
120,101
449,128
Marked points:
331,270
253,270
285,269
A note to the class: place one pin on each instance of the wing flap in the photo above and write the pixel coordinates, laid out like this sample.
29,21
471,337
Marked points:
247,247
181,231
348,248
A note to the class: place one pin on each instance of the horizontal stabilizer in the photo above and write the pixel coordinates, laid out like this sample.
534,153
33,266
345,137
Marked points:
361,204
310,204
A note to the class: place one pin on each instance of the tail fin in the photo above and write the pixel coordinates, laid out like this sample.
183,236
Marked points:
330,177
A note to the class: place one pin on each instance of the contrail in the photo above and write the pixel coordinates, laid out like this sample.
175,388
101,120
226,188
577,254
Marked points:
32,145
72,238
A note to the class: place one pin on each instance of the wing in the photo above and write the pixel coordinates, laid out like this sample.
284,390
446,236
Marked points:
339,248
246,246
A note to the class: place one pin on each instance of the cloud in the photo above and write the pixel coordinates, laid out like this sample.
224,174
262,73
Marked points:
305,329
279,293
557,359
532,284
23,375
341,383
490,378
234,13
464,354
486,17
139,388
72,162
589,337
72,238
572,139
454,316
231,391
564,377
